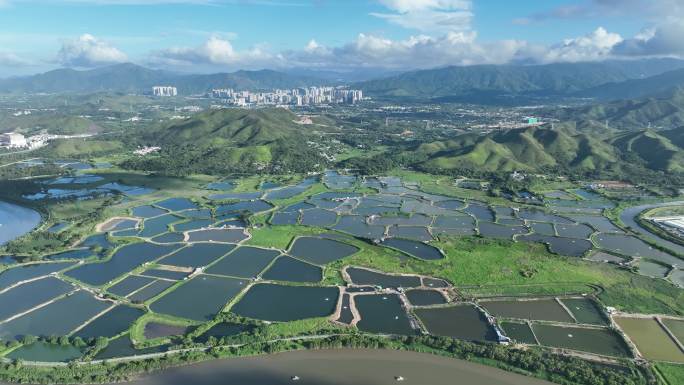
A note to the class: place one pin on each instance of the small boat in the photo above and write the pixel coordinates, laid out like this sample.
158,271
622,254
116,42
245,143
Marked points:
294,378
399,378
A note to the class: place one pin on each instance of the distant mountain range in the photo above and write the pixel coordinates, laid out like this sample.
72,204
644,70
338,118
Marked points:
656,85
131,78
564,79
607,80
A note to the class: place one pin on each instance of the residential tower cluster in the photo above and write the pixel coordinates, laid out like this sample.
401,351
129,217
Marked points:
295,97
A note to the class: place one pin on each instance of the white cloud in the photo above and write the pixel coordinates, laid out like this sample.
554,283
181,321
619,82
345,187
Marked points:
593,46
663,40
415,52
215,51
429,15
88,51
417,5
421,51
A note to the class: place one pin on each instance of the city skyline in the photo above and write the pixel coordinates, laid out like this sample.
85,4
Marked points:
227,35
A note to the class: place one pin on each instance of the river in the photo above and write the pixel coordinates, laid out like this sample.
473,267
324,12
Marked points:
338,367
16,221
628,218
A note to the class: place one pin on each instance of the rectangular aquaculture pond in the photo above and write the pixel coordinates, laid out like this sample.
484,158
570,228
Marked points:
598,341
542,310
271,302
650,339
382,313
214,292
124,260
56,319
464,322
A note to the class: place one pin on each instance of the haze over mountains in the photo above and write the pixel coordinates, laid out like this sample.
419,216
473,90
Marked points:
131,78
607,80
563,79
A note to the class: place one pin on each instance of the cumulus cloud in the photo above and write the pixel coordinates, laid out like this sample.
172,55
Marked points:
429,15
215,51
597,45
663,40
416,52
88,51
421,51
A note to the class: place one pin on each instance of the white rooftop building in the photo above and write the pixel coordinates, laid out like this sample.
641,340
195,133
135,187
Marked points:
13,140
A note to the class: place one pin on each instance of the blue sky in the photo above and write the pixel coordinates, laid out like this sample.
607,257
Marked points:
218,35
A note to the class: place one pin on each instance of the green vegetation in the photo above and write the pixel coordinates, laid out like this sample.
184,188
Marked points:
260,145
540,148
80,148
279,237
229,141
670,374
664,109
55,124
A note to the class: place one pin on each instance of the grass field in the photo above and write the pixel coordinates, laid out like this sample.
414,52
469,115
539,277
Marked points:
672,374
279,236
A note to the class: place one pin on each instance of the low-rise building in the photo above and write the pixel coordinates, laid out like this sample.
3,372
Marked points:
164,91
13,140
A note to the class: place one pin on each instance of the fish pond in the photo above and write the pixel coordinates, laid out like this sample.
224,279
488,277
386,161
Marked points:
384,314
215,293
463,322
271,302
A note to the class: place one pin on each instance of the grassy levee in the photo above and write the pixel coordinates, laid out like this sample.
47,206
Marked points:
309,326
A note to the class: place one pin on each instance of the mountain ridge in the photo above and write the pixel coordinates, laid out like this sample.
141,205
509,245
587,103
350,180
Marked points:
549,79
132,78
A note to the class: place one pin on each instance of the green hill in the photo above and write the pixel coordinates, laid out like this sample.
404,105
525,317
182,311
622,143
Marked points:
538,148
56,124
229,127
229,141
665,111
656,150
